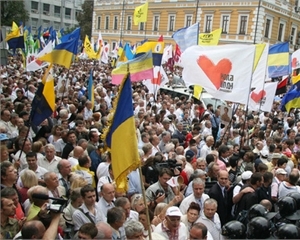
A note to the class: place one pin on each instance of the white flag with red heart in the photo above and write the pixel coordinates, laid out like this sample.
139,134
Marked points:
224,71
263,98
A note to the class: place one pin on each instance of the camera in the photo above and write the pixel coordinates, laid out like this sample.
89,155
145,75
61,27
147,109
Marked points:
57,206
170,163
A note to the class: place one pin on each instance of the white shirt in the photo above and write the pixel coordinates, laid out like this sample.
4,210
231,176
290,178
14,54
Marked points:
23,161
104,206
102,169
191,198
205,150
214,227
30,95
73,161
51,166
182,231
87,114
39,172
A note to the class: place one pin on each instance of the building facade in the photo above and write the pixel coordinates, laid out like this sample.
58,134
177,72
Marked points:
56,13
242,21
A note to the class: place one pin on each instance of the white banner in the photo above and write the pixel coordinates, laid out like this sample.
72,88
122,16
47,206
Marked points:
224,71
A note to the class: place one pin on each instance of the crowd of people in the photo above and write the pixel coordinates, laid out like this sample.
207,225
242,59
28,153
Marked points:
202,180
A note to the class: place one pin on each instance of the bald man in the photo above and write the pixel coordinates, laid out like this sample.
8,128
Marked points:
77,152
107,197
104,231
64,169
219,192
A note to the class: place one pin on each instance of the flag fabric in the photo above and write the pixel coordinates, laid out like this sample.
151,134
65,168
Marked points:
260,65
159,79
15,38
291,99
161,38
197,91
295,60
278,60
91,89
224,71
33,64
210,39
121,137
43,104
262,98
177,56
89,49
75,34
168,53
128,53
63,53
282,86
140,68
186,37
140,14
157,49
104,53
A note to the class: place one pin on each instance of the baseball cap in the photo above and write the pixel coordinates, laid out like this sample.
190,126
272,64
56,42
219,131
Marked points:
3,137
189,155
246,175
173,211
95,130
280,171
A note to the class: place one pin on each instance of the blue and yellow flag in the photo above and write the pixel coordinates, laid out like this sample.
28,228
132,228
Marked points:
128,53
121,137
140,14
91,89
15,39
157,49
278,60
43,104
63,53
291,99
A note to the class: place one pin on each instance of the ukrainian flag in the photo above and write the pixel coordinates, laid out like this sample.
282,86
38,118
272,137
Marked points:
291,99
91,89
62,54
121,137
278,60
43,104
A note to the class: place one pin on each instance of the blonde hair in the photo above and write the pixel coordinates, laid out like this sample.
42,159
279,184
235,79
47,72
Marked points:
29,179
36,146
78,182
159,208
135,199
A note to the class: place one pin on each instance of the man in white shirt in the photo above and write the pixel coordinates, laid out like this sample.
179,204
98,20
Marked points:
88,111
107,197
206,149
30,93
198,196
124,203
50,161
171,227
210,218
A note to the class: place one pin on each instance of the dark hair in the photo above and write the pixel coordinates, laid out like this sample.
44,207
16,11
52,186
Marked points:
4,166
115,214
281,161
165,170
85,189
209,158
83,160
30,229
89,229
223,149
8,192
151,215
194,206
256,177
268,176
202,227
31,154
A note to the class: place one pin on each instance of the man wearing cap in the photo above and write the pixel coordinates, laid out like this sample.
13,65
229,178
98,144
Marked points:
280,175
3,139
171,228
272,165
290,185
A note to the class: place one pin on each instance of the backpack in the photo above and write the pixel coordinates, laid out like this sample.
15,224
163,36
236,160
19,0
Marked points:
230,194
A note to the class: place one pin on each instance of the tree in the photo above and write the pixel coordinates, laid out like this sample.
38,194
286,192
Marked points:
85,18
13,11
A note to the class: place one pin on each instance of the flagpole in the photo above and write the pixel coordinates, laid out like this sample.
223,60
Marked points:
256,24
197,6
122,20
145,31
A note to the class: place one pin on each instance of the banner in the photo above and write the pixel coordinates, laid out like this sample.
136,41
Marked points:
223,71
263,98
260,65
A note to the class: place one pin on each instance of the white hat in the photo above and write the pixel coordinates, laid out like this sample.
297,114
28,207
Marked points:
95,130
246,175
280,171
173,211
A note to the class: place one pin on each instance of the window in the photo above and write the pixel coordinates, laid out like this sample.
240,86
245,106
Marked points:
68,13
171,23
46,9
56,25
280,32
267,28
156,23
107,22
129,22
98,22
208,23
188,20
34,22
142,26
292,37
115,22
225,23
243,24
34,7
57,11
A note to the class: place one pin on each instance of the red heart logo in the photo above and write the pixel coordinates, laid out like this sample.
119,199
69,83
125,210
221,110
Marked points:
294,62
256,97
215,72
39,62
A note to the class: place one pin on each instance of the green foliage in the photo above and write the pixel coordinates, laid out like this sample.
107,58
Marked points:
13,11
85,18
69,30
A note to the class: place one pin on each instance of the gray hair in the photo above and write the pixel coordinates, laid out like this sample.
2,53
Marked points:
49,146
132,227
104,230
210,201
63,112
198,181
199,160
169,147
121,201
115,214
180,157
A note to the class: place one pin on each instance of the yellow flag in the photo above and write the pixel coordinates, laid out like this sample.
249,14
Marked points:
15,32
140,14
259,48
14,27
89,50
197,91
210,38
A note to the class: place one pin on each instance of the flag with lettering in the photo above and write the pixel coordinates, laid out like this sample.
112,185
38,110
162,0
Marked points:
140,14
224,71
210,39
